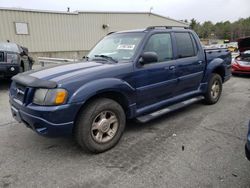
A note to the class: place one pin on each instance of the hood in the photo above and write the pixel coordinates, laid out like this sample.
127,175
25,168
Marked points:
67,75
244,44
59,72
49,77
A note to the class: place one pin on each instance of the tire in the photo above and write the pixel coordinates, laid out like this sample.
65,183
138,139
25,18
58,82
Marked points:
100,125
214,89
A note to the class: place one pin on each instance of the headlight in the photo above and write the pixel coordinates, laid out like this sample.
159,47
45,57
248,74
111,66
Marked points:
12,58
50,97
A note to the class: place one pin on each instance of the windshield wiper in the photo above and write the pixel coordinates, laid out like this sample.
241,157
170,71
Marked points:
106,57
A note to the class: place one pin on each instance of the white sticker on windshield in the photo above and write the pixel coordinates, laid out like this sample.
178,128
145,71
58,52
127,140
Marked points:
126,47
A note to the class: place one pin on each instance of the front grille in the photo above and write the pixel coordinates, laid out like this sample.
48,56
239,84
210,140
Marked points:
1,57
19,92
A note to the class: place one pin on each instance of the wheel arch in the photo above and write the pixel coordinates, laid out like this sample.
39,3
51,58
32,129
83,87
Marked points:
117,96
220,70
111,88
113,95
215,66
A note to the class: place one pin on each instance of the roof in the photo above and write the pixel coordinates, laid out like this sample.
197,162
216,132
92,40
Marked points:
86,12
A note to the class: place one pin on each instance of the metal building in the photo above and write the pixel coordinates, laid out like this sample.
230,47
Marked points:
70,34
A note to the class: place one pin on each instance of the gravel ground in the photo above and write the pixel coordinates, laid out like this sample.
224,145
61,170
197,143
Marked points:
198,146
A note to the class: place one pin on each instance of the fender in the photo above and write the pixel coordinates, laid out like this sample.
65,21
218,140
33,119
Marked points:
211,66
104,85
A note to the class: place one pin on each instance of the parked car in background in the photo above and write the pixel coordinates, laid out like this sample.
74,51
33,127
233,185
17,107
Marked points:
241,63
13,59
247,146
139,74
233,47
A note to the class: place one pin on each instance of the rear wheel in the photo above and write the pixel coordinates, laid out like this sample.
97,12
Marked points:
214,89
100,125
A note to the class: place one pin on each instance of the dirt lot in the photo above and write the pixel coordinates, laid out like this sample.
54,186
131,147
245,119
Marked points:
199,146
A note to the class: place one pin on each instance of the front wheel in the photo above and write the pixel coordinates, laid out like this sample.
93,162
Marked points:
214,89
100,125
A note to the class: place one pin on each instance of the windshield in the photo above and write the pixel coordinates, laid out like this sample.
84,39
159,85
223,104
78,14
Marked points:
120,46
11,47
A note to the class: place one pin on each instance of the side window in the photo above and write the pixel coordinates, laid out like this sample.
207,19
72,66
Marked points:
161,45
184,43
194,44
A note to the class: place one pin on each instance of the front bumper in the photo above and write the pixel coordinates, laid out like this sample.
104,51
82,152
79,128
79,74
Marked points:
8,70
52,121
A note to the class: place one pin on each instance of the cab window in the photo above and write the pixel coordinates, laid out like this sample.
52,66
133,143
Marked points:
161,45
184,44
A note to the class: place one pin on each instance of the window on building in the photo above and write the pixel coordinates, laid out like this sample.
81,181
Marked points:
161,45
185,47
21,28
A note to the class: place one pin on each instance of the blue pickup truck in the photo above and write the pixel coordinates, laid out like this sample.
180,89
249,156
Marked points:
138,74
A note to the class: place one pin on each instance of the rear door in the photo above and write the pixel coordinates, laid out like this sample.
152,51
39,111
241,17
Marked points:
190,63
156,81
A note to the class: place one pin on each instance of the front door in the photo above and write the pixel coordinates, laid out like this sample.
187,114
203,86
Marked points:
156,81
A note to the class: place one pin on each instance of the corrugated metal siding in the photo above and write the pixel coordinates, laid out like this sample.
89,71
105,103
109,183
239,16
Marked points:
50,31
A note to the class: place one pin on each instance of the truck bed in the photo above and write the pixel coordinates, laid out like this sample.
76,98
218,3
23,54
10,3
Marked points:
222,53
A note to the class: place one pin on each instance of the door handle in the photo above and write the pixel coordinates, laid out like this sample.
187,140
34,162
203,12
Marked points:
200,62
172,67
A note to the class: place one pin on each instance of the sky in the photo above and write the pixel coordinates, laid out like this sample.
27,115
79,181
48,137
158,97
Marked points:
201,10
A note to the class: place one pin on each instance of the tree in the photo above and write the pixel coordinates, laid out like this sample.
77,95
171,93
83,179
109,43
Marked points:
195,26
207,28
222,30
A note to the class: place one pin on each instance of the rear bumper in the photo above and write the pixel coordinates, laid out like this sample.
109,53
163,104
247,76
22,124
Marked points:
51,121
8,70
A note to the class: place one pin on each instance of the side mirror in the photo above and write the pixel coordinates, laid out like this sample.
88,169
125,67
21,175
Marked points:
148,57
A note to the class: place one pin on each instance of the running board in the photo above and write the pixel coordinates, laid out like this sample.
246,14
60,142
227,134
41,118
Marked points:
148,117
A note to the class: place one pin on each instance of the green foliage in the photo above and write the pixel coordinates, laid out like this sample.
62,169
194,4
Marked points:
222,30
